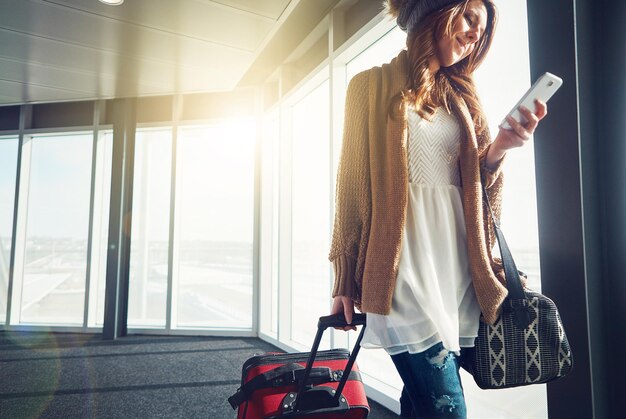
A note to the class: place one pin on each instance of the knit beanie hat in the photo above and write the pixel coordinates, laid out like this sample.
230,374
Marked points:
411,12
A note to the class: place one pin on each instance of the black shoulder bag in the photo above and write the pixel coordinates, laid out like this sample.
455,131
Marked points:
527,344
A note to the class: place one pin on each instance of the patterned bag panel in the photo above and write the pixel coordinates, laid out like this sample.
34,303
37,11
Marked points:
508,356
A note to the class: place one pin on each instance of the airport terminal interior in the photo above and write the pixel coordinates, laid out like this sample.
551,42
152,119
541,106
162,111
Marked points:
167,196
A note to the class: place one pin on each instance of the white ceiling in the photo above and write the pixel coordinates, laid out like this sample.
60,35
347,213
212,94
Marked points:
60,50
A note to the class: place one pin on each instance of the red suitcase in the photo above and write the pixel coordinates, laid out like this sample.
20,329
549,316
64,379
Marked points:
324,384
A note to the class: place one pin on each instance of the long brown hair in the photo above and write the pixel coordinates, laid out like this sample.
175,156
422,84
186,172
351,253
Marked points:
428,90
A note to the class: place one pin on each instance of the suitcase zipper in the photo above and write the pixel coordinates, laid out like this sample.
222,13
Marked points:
266,359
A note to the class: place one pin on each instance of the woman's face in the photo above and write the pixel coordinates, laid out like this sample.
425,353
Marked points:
466,31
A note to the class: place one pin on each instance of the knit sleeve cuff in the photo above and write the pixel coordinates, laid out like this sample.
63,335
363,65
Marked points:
344,266
490,174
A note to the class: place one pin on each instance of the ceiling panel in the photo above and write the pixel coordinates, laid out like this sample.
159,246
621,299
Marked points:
56,54
86,30
203,20
269,8
11,70
44,93
57,50
46,55
77,81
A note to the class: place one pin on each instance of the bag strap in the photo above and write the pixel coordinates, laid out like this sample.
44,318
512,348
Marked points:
517,296
285,375
245,392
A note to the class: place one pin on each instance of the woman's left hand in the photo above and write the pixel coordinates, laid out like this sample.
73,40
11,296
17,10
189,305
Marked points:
518,134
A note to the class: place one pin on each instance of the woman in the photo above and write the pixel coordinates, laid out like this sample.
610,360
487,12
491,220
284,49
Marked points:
412,240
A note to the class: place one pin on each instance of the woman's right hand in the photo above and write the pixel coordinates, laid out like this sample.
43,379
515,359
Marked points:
342,304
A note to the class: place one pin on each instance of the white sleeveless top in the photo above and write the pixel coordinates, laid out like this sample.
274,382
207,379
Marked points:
434,299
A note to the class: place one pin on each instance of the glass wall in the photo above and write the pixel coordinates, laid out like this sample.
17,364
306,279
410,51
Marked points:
310,222
205,278
8,172
55,188
214,225
56,281
380,52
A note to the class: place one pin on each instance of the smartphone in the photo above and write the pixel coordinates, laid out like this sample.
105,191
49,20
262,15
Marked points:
542,89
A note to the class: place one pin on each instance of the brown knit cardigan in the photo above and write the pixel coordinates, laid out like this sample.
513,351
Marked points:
372,193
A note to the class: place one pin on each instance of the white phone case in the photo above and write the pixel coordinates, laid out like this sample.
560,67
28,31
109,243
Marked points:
542,89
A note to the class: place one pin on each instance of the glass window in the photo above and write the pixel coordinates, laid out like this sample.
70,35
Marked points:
214,225
382,51
8,168
100,227
57,175
150,228
310,213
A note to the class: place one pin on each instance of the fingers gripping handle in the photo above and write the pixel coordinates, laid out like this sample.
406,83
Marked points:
338,320
335,320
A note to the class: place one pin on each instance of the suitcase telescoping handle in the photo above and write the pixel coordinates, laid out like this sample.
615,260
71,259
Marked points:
334,320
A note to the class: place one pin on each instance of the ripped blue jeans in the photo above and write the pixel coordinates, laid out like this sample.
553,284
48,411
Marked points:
432,384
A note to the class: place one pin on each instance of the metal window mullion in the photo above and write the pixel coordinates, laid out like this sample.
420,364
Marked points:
256,224
22,122
275,227
100,199
22,223
94,157
171,310
120,220
262,296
